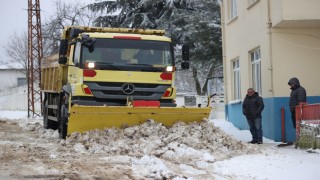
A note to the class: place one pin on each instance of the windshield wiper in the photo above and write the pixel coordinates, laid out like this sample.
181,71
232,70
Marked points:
106,65
149,67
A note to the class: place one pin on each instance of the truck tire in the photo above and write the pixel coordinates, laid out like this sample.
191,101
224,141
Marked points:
63,125
45,115
48,124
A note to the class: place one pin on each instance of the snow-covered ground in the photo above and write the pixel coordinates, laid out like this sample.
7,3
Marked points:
214,149
151,151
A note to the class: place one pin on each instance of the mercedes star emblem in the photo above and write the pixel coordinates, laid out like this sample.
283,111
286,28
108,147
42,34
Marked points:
128,88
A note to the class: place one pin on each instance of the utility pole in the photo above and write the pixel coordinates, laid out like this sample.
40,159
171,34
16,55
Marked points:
34,57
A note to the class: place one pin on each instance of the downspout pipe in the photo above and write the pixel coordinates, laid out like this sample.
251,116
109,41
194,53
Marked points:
269,32
222,5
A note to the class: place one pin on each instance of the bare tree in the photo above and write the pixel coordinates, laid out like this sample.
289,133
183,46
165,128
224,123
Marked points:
16,49
66,14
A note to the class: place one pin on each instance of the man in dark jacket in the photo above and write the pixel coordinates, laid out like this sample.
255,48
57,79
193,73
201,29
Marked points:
298,94
252,107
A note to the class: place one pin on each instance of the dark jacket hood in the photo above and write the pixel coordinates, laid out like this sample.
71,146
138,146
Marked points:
253,95
294,81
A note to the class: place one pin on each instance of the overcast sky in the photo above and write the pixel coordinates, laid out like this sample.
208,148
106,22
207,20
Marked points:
14,18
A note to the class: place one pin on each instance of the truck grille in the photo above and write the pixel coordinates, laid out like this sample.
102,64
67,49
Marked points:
120,91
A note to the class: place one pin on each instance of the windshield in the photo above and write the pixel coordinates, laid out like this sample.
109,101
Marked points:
121,53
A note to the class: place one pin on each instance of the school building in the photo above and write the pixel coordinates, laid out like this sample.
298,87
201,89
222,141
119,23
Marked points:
265,43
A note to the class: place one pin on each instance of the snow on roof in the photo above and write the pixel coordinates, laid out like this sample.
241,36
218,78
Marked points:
6,66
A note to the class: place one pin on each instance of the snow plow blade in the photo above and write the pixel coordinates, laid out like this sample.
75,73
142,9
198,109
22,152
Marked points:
84,118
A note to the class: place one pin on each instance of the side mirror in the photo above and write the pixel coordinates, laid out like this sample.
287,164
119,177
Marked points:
185,65
63,47
62,60
88,42
74,32
185,52
63,51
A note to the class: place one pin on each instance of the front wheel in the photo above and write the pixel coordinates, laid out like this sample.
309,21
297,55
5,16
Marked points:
63,125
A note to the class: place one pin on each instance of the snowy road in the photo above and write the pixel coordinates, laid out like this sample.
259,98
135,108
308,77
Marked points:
150,151
28,154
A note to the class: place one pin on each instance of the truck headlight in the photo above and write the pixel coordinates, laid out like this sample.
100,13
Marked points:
170,68
90,65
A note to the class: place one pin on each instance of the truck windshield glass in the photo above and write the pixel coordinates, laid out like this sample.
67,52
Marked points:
129,52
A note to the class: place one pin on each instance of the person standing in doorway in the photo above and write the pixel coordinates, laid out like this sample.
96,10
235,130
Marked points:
298,94
252,108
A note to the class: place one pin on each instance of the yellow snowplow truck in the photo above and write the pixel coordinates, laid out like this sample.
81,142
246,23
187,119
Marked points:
112,77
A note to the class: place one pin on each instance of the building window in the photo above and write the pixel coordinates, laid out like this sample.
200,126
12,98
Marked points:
22,81
233,9
236,79
256,70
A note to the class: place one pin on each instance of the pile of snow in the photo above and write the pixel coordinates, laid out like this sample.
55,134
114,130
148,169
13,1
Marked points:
193,145
151,148
44,133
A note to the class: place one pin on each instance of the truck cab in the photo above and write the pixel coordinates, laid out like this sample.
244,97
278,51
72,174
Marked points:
114,69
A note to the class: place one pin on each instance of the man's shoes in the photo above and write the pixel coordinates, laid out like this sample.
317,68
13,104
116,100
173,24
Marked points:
255,142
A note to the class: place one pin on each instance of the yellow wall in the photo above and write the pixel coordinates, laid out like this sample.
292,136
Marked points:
296,53
243,34
289,48
295,13
301,9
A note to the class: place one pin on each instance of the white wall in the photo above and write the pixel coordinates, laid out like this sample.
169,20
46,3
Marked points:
9,78
217,104
16,99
